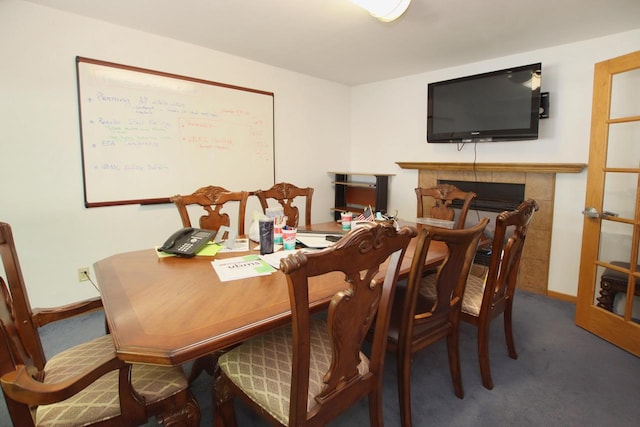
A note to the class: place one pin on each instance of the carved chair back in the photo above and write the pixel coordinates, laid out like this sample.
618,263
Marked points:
435,202
285,193
17,303
212,200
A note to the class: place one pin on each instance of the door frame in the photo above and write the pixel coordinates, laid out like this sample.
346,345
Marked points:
619,330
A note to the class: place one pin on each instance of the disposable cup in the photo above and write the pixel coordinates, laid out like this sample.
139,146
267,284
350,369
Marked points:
289,238
346,218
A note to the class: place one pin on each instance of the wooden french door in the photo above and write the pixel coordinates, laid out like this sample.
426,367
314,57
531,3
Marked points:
611,231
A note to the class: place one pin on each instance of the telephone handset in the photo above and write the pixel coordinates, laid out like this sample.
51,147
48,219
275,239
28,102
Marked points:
187,241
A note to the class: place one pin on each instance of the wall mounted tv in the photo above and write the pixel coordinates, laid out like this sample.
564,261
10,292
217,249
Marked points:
500,105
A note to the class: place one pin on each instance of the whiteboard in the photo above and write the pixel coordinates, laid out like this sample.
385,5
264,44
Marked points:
148,135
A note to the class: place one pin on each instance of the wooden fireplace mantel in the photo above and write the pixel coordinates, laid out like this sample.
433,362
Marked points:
497,167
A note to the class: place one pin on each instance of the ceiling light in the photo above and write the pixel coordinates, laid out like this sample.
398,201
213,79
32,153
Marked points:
384,10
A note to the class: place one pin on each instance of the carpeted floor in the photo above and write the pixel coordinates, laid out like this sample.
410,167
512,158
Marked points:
564,376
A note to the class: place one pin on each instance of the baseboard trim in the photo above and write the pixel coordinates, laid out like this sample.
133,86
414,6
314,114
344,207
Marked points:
563,297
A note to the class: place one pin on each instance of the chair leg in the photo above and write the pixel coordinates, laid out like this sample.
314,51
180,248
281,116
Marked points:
375,408
508,332
483,355
453,350
224,414
404,387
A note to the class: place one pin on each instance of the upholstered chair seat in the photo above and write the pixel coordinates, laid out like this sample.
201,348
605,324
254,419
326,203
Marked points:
473,292
100,400
262,368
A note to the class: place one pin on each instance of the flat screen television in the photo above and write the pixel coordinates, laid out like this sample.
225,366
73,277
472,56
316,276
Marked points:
500,105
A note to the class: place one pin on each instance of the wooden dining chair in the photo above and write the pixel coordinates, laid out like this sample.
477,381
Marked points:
83,385
435,202
285,193
212,199
309,372
490,292
417,321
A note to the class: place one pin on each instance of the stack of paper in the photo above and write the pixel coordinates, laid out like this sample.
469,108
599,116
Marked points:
241,267
317,240
238,245
435,222
274,258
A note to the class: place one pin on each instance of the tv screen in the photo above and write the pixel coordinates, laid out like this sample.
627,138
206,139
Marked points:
500,105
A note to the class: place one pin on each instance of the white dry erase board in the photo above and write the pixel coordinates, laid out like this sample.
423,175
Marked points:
148,135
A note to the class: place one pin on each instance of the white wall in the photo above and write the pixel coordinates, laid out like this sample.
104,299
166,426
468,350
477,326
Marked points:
41,175
385,122
391,116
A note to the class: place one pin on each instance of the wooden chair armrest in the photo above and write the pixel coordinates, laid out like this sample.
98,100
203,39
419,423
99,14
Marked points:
43,316
20,386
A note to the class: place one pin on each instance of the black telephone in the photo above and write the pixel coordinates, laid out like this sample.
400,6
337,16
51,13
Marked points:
187,241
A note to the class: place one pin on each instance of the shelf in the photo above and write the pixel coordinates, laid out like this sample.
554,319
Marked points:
362,174
348,209
355,184
355,196
497,167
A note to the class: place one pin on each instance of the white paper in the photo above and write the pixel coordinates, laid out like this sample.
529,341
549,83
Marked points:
274,258
313,240
239,245
241,267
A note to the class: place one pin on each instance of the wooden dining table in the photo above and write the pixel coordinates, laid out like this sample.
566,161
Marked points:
171,310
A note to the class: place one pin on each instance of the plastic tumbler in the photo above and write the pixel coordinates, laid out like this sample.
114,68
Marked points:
266,235
277,214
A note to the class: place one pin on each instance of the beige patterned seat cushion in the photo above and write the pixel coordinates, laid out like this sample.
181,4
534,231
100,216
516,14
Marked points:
99,401
261,367
472,299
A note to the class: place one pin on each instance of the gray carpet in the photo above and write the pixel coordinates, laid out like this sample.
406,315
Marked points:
564,376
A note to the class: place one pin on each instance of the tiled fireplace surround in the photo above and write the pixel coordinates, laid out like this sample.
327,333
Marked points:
539,180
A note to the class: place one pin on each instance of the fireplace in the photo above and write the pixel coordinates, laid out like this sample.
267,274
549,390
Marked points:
539,184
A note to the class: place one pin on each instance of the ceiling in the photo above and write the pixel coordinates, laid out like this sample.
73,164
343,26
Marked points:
338,41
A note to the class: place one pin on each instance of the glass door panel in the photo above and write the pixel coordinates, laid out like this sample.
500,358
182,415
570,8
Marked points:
619,196
623,150
625,93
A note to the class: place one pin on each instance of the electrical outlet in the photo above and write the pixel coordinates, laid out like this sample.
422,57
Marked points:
83,274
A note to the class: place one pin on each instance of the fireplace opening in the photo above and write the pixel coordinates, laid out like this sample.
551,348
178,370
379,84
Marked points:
491,196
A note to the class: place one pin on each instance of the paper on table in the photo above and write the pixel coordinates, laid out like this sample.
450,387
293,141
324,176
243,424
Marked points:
210,249
239,245
273,259
311,240
435,222
241,267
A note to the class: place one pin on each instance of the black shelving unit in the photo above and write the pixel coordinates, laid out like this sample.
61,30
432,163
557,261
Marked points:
356,191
